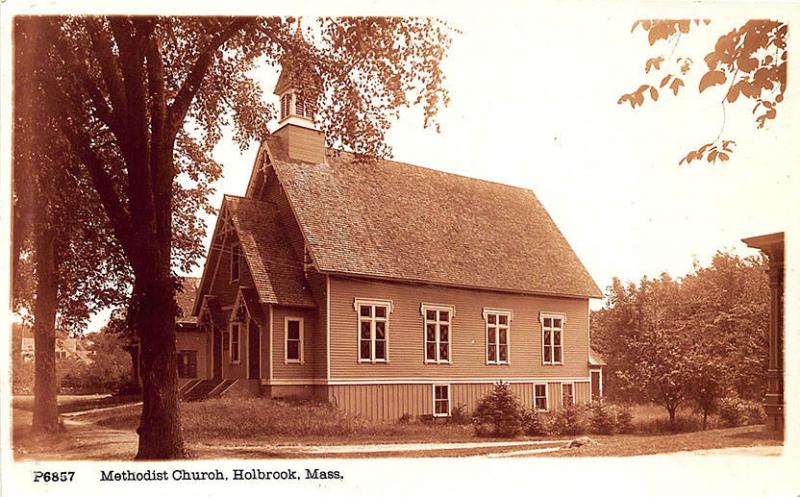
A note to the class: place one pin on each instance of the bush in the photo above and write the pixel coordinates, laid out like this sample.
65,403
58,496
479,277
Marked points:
405,419
459,415
602,420
570,420
734,411
498,414
622,417
535,422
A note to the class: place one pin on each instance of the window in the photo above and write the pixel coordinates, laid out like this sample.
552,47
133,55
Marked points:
373,324
310,109
567,394
437,326
187,364
552,331
299,106
236,256
540,396
497,329
235,342
294,340
441,400
285,103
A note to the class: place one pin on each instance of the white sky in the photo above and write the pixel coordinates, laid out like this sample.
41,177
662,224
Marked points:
533,104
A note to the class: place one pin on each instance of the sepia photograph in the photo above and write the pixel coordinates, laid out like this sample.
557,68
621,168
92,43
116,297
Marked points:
532,236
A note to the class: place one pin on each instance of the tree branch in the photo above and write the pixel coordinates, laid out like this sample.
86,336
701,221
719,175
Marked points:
101,43
178,109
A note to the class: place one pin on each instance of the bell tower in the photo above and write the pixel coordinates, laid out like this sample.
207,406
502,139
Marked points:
297,90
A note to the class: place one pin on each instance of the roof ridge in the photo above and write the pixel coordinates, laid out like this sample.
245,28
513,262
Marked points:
471,178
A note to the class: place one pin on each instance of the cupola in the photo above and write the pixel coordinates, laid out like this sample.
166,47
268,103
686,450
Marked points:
297,90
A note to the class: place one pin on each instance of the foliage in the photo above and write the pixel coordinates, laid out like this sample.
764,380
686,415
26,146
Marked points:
109,370
623,418
749,61
570,420
459,415
601,419
668,341
499,413
535,422
735,411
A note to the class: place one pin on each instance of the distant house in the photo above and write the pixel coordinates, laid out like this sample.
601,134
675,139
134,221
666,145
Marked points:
66,348
385,288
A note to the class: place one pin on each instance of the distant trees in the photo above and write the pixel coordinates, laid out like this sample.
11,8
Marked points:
693,340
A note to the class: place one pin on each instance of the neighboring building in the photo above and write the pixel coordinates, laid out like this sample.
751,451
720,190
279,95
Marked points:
385,288
773,246
66,348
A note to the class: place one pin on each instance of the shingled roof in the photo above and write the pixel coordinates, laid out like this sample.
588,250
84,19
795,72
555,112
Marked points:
277,271
392,220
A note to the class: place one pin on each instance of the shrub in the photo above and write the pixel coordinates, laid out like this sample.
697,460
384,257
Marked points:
623,419
534,422
734,411
682,424
459,415
569,420
602,419
405,419
498,413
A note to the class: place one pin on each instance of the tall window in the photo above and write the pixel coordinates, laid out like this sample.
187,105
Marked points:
552,331
540,396
437,323
497,330
567,394
294,340
235,327
373,324
441,400
187,364
236,256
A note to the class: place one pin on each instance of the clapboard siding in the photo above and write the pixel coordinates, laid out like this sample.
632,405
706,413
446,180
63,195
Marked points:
197,341
280,369
468,346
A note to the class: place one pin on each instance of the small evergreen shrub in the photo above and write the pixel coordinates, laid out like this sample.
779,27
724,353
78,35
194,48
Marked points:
569,420
602,419
623,418
754,412
534,423
498,414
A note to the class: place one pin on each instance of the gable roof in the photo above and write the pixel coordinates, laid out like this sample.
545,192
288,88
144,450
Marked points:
277,271
392,220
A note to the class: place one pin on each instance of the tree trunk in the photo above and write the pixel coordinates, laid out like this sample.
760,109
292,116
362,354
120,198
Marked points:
705,419
159,430
672,410
45,403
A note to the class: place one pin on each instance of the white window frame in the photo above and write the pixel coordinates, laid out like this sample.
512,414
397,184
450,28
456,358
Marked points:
498,312
451,312
563,318
546,396
238,326
357,303
286,359
236,256
572,385
449,400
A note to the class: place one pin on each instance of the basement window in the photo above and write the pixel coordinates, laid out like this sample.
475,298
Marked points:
441,400
567,394
540,396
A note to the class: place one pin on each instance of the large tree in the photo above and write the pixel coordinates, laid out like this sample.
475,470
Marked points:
142,101
67,264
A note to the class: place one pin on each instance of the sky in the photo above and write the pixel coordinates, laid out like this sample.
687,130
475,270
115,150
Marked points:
534,104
